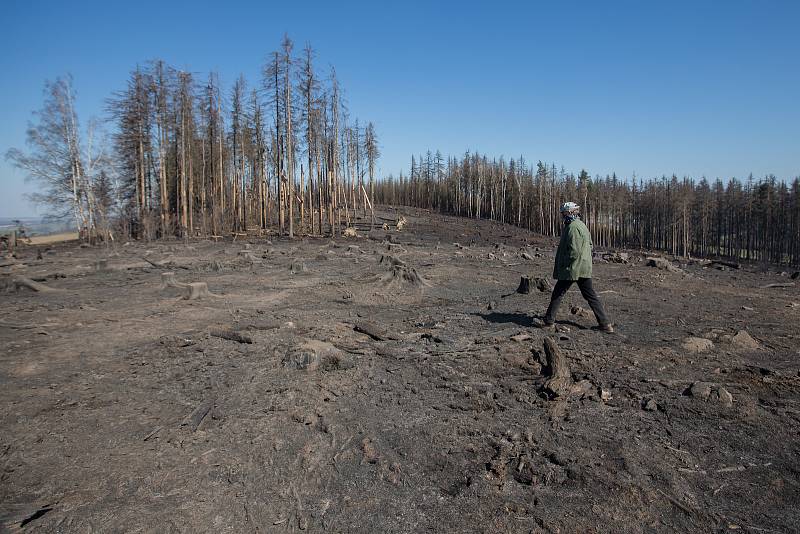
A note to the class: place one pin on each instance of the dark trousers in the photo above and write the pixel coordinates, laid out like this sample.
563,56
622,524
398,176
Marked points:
585,285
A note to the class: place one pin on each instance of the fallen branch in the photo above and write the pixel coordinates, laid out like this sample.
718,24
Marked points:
691,512
19,282
372,330
732,265
154,264
783,284
155,431
18,326
232,336
194,419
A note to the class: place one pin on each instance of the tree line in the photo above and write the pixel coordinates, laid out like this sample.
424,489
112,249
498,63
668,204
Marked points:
756,220
186,157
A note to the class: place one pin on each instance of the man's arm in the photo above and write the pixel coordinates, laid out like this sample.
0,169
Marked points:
574,247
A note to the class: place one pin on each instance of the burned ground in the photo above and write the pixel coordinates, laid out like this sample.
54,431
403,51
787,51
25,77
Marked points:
392,382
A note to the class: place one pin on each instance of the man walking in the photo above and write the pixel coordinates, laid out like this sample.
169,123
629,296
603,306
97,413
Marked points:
574,264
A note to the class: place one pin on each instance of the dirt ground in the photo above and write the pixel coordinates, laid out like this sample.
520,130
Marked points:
123,410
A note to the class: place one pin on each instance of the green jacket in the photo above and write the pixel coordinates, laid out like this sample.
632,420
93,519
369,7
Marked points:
574,254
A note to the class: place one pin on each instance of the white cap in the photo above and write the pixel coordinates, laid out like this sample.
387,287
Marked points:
569,206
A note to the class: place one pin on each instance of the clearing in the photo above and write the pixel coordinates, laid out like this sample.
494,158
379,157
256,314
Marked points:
392,382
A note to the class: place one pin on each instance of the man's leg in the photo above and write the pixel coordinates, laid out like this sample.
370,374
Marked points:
588,292
555,300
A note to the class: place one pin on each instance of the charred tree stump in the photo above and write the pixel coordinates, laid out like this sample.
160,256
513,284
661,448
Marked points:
524,285
168,280
297,267
196,290
557,369
101,265
400,271
663,264
247,256
543,284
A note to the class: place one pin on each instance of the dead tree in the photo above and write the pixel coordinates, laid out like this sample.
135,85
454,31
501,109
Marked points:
287,46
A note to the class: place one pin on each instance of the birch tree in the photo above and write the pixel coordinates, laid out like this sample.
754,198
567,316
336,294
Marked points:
54,159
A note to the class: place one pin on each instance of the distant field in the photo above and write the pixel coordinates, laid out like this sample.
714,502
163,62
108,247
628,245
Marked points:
36,226
53,238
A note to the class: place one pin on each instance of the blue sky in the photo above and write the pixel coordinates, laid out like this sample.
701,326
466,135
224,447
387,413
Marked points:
692,88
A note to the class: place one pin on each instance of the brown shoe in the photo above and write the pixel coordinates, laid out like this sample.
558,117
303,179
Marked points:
605,328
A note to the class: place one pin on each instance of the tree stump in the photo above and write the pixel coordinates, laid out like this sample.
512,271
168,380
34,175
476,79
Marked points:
101,265
297,267
663,264
196,290
557,369
400,271
543,284
247,255
168,280
524,285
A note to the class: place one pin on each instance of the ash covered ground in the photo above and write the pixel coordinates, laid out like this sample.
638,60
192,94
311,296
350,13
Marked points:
392,382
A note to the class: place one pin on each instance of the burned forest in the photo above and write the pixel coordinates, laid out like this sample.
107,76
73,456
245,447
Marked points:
256,327
186,158
754,220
